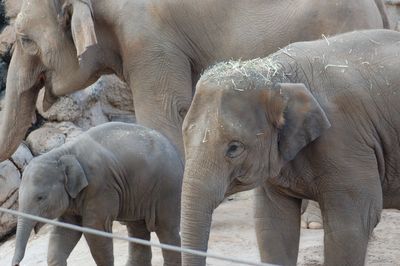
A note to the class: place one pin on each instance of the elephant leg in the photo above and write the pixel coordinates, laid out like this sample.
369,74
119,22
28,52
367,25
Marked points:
138,254
277,219
101,248
62,241
349,219
311,217
170,236
162,91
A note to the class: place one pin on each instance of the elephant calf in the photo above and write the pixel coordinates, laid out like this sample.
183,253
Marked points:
114,171
317,120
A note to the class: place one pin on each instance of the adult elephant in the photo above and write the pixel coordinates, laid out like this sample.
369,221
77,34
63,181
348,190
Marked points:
158,47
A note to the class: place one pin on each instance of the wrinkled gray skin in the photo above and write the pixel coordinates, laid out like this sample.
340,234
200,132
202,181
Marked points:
393,13
115,171
321,123
158,47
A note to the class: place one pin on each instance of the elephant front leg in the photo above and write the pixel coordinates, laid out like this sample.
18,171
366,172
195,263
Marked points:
139,255
161,83
277,220
62,242
349,219
101,248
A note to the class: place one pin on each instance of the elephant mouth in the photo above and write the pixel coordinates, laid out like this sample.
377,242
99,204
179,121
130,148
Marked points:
238,186
37,227
40,82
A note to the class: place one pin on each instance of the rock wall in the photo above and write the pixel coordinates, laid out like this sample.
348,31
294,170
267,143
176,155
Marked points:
109,99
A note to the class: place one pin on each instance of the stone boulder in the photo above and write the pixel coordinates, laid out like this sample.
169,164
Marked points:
2,99
45,139
7,39
10,179
115,93
116,99
22,157
12,8
109,99
67,108
69,129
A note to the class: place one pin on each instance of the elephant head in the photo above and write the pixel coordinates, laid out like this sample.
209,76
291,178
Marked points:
46,190
55,43
244,124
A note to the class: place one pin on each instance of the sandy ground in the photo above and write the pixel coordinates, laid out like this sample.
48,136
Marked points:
232,235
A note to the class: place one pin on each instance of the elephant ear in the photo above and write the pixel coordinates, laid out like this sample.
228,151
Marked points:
79,15
75,177
303,119
82,26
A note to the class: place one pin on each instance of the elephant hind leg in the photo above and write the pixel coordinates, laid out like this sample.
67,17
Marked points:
311,217
391,200
138,254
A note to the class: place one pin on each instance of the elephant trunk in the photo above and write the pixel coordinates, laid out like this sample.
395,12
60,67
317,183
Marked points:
201,194
22,88
24,229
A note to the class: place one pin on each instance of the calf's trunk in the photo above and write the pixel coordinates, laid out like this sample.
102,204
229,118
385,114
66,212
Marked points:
201,194
24,229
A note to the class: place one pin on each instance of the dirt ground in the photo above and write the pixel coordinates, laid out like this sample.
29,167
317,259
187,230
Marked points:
232,235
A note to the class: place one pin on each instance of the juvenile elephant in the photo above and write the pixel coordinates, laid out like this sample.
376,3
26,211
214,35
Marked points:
115,171
158,47
317,120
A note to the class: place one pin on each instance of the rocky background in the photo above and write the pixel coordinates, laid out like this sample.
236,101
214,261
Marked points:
108,99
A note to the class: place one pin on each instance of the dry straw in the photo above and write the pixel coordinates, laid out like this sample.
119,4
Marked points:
243,75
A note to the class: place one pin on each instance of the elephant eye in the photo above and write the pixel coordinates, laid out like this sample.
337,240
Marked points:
26,40
28,45
41,197
235,148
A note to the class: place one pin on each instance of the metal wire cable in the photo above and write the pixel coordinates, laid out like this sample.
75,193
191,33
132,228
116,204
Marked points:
130,239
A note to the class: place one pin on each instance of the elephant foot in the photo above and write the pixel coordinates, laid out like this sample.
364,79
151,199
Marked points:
138,263
312,218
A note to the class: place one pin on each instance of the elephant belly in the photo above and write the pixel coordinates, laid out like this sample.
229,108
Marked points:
139,214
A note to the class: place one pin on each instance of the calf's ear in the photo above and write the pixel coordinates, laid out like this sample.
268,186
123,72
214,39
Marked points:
75,177
299,118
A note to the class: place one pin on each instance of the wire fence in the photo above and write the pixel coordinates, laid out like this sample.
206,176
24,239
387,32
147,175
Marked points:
132,239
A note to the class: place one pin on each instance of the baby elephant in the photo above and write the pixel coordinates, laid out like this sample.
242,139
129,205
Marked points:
115,171
317,120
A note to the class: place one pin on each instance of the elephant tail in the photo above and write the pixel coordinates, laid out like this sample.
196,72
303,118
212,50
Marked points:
382,10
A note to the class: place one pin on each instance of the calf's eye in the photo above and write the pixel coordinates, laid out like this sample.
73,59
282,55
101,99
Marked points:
235,148
39,198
